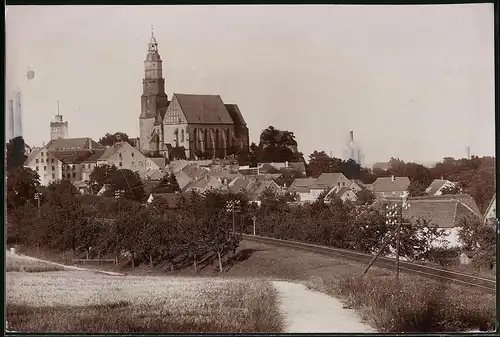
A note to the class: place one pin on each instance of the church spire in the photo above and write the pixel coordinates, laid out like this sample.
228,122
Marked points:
153,45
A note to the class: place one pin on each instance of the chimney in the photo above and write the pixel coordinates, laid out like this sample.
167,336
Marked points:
393,179
351,136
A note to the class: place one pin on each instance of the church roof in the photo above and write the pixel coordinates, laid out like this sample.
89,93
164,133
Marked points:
235,113
203,109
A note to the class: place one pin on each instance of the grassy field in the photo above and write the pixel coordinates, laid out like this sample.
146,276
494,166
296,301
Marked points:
21,264
72,301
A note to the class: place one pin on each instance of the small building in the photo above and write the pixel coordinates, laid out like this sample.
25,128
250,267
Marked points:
491,212
391,187
438,185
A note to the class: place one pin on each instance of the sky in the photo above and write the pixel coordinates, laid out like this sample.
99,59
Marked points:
413,82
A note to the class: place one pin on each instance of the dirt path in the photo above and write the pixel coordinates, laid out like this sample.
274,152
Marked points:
306,310
65,266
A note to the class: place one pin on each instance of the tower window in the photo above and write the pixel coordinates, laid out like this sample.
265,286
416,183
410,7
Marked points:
74,175
37,160
45,168
41,160
120,164
53,176
132,155
52,160
37,168
53,168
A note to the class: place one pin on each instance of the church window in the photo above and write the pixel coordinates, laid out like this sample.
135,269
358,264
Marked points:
182,135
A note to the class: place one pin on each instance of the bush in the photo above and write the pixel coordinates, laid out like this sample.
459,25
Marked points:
413,305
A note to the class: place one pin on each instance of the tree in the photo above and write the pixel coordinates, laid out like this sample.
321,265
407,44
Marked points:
177,153
128,183
167,184
278,146
365,197
351,169
22,183
319,162
100,175
111,139
15,153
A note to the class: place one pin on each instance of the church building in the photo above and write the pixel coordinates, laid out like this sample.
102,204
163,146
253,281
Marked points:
203,125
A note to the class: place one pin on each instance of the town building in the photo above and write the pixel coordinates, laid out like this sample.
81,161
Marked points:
438,185
391,187
203,125
491,212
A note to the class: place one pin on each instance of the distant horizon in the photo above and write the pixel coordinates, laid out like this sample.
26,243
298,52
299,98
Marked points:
413,82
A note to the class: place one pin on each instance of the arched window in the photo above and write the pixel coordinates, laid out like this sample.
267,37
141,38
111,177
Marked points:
182,135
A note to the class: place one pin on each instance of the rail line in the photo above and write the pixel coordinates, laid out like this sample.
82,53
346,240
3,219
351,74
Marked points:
408,267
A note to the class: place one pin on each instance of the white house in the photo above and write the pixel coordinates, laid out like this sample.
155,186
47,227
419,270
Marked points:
437,186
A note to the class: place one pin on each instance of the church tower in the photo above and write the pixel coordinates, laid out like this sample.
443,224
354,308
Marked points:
154,101
58,128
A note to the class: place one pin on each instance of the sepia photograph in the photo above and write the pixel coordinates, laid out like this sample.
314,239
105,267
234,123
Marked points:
250,169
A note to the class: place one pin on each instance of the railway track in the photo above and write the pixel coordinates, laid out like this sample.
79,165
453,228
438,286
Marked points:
486,284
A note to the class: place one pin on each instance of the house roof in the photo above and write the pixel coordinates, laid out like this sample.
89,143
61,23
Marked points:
491,205
33,154
381,166
327,180
297,165
156,175
160,162
182,179
441,212
71,144
257,187
72,157
234,112
111,150
385,184
238,184
463,198
203,109
94,156
436,185
342,190
302,182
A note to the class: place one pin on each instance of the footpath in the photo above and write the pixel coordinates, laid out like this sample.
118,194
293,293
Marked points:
310,311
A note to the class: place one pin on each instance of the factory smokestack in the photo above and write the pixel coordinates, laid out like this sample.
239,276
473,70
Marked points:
468,152
351,136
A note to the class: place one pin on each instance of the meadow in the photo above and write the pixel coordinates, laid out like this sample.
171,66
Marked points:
76,301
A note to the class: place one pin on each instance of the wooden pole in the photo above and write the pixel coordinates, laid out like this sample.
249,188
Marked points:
380,251
398,240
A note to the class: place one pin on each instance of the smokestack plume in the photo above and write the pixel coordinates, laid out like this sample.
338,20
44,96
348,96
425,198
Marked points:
351,136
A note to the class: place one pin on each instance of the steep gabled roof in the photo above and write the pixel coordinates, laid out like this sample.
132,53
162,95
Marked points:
302,183
94,156
234,112
385,184
203,109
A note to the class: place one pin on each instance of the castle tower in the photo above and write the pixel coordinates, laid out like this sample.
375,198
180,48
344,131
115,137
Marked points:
58,128
154,100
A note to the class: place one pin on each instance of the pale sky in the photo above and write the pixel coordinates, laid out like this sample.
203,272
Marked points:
414,82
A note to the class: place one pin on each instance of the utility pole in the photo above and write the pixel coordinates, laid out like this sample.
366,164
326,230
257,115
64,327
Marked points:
394,216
